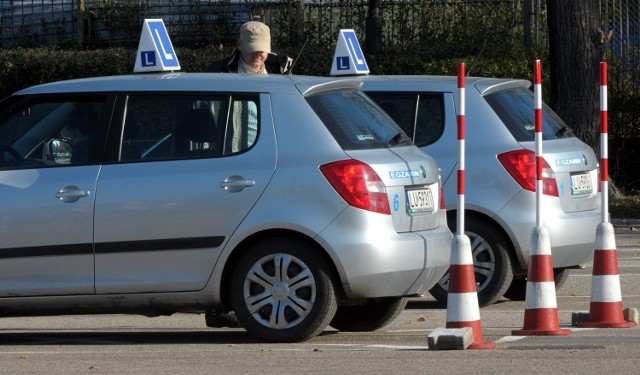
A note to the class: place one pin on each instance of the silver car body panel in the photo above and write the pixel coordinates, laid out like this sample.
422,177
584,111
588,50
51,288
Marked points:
30,207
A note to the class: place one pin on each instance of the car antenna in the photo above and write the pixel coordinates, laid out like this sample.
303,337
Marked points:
476,58
298,56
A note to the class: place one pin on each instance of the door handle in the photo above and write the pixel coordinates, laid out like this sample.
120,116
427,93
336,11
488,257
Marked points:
235,184
70,194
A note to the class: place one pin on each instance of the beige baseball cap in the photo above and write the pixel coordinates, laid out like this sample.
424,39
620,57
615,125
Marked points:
255,36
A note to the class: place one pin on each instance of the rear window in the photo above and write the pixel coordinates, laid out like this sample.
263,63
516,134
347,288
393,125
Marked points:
515,109
356,122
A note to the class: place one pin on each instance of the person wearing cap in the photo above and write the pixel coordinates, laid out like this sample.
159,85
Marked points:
252,54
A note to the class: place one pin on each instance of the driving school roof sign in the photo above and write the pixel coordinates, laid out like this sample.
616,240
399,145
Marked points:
155,51
348,58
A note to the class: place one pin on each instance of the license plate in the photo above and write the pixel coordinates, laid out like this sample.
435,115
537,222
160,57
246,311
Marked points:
581,184
419,200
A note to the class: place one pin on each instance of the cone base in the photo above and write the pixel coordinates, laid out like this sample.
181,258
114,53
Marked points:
478,340
616,324
482,345
541,332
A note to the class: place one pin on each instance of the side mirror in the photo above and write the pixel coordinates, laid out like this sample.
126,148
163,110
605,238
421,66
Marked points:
58,150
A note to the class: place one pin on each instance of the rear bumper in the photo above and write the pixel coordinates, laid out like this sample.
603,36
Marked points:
375,261
572,235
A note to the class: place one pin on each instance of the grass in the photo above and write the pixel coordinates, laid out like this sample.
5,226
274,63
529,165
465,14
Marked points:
625,206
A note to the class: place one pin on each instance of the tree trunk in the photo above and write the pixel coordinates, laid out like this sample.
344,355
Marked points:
575,55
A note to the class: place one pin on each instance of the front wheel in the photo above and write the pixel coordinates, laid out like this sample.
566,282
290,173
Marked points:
491,262
371,316
281,291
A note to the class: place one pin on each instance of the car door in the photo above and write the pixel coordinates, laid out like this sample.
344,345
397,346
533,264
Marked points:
190,169
47,195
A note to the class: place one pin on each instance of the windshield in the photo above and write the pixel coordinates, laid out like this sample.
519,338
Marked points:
516,109
356,122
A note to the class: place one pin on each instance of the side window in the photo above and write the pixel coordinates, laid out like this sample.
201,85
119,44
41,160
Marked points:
242,125
430,119
400,107
424,126
52,132
159,127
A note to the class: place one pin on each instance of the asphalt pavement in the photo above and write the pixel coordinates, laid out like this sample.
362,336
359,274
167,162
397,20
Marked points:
182,344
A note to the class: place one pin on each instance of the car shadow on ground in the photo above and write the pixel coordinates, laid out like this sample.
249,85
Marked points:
44,338
425,304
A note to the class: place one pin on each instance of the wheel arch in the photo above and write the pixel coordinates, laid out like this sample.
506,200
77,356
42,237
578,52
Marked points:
517,262
245,245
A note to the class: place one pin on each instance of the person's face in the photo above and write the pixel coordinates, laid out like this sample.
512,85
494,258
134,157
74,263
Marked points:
73,133
253,59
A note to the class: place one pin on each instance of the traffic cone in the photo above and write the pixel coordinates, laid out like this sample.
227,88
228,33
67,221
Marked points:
462,300
606,298
541,311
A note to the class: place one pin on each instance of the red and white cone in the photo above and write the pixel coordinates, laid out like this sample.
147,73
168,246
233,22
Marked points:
541,310
606,297
462,300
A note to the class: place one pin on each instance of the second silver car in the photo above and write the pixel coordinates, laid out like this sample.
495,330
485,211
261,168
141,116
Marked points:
500,173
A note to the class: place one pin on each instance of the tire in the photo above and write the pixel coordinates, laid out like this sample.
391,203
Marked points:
518,289
491,259
281,291
371,316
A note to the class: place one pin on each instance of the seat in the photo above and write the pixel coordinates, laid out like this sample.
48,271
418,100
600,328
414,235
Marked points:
197,135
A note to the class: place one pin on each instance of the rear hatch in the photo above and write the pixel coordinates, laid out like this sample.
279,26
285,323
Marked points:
412,183
386,173
575,171
571,169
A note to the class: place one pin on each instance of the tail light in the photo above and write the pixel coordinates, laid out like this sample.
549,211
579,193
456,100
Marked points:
358,184
521,165
443,201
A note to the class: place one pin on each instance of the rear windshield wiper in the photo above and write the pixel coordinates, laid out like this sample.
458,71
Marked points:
563,131
399,138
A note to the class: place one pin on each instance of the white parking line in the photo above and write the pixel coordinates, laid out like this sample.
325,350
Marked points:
508,339
398,347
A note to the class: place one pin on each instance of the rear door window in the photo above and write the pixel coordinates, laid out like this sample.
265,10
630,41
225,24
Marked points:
165,127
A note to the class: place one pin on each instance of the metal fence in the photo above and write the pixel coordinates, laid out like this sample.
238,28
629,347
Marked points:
444,24
621,29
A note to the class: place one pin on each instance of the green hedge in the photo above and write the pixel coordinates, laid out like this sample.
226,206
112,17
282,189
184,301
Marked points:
24,67
20,68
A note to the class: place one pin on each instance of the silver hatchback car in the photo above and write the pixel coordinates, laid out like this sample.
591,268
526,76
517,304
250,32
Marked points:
500,174
293,201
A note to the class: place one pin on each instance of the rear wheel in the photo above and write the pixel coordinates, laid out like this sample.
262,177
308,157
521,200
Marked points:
518,289
491,260
281,291
371,316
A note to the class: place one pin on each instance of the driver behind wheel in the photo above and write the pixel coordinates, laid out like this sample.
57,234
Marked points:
81,132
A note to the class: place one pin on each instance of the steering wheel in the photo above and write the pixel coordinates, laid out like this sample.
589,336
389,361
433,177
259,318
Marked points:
17,158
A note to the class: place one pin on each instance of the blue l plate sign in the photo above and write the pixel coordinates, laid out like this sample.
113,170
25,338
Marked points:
155,51
348,58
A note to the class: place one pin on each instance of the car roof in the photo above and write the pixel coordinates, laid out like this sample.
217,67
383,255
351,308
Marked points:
194,82
484,85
